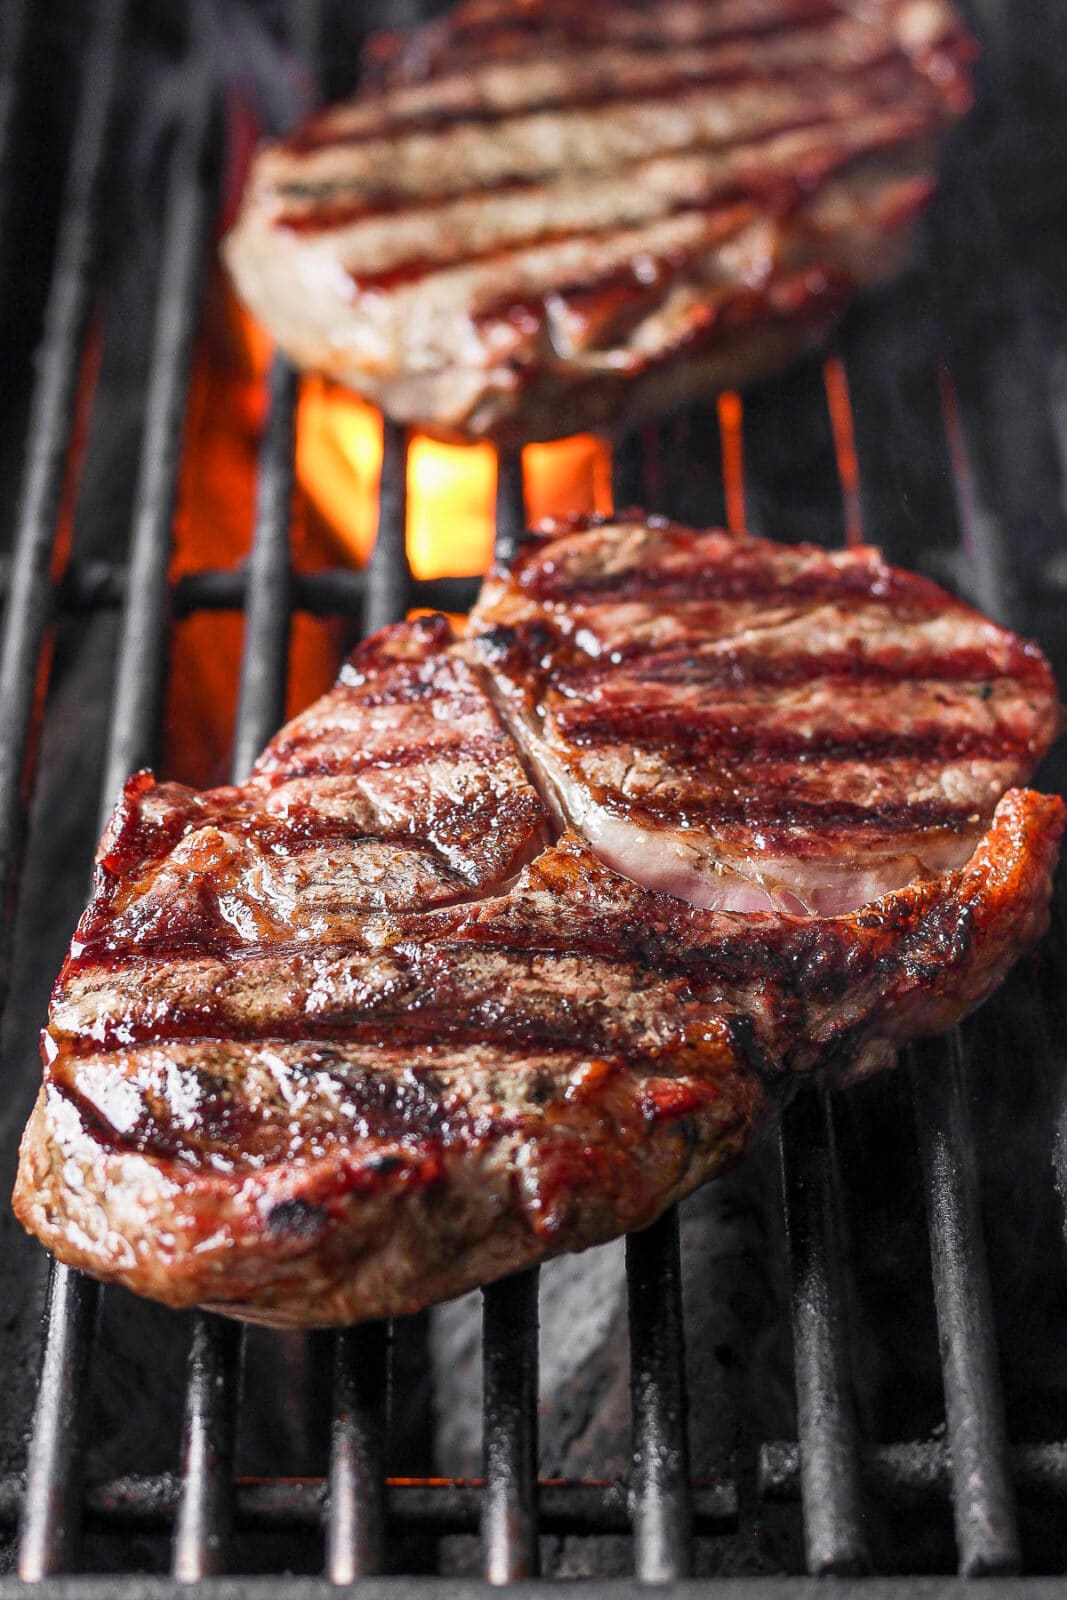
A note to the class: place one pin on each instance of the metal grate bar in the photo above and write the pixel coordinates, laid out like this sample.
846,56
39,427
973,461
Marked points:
142,651
51,418
990,578
14,17
51,1519
91,586
660,1490
905,493
52,1512
205,1510
830,1479
919,1472
510,504
388,579
355,1537
204,1519
438,1507
509,1428
986,1533
265,660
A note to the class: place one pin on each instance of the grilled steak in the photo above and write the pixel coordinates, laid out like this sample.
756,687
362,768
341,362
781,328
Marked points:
549,216
381,1024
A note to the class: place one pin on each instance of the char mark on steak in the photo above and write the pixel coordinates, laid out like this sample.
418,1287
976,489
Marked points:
381,1024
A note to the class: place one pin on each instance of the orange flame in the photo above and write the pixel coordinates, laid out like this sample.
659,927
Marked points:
451,508
339,462
839,402
731,413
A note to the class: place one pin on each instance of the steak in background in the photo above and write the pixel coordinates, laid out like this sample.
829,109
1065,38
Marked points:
380,1025
544,217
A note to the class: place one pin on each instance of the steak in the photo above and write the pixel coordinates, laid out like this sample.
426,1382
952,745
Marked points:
539,216
404,1013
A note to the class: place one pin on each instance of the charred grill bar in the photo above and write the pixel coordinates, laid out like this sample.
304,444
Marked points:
356,1506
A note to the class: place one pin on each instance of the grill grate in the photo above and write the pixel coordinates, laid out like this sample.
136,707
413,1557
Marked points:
356,1506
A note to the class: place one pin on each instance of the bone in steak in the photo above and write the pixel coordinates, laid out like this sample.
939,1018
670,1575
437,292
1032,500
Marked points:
546,216
379,1025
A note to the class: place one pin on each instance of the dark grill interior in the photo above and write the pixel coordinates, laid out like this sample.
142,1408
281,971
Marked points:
918,1286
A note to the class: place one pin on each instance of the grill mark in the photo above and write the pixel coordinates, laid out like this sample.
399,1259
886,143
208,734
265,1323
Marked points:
301,830
752,579
209,933
588,29
666,86
485,1024
416,1116
722,223
740,670
599,302
729,197
398,685
562,33
349,763
690,735
777,806
388,1110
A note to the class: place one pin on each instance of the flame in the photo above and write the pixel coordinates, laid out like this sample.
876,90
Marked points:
451,488
731,415
339,462
839,403
451,508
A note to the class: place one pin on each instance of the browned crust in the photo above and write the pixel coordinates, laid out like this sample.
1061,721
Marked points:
382,1228
365,1233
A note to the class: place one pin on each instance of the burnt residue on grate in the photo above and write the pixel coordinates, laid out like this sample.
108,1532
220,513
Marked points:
888,1283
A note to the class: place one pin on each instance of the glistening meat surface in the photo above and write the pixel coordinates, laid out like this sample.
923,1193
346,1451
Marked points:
375,1026
754,726
538,218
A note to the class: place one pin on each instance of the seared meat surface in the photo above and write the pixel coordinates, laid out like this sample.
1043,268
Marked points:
754,726
543,217
381,1024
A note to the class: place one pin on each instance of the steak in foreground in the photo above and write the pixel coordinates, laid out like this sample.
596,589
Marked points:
544,216
511,941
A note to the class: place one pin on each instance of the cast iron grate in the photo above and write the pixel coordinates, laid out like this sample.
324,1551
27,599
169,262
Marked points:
355,1506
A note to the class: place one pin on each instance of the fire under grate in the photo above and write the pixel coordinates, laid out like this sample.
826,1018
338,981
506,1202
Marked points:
903,439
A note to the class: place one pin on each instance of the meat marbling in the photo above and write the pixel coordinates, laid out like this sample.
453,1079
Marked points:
381,1024
547,216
